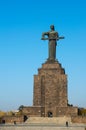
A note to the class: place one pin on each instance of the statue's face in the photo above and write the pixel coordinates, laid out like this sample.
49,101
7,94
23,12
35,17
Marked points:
52,27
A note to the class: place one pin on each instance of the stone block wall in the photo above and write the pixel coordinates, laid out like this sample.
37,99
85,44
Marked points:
12,119
67,111
78,119
43,111
32,111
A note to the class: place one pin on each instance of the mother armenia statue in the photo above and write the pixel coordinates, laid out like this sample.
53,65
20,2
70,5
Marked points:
52,37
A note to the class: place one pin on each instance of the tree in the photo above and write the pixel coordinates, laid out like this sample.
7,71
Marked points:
2,113
82,111
20,108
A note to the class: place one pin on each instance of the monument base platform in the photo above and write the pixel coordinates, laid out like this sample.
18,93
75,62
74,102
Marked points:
41,127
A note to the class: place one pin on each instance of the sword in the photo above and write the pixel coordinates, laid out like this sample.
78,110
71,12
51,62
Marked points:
43,38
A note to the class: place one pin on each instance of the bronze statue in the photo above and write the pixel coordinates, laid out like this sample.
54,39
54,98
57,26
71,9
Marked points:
52,36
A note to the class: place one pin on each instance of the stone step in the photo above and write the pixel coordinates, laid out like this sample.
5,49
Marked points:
23,127
46,120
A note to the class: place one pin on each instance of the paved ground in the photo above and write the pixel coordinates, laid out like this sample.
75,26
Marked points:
42,127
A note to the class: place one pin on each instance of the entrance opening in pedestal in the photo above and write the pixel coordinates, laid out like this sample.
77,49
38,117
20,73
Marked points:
50,114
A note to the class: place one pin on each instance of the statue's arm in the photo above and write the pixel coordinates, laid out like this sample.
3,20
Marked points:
57,35
45,33
58,38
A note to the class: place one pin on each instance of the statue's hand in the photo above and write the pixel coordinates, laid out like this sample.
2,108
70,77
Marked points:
62,37
42,38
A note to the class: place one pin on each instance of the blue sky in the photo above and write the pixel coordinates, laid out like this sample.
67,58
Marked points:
22,52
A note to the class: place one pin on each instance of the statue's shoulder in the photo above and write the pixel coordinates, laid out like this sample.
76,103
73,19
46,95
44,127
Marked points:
45,33
54,32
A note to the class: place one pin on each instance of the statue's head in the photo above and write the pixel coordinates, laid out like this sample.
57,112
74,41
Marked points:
52,27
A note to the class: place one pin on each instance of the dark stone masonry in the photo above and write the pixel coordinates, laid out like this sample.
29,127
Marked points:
50,93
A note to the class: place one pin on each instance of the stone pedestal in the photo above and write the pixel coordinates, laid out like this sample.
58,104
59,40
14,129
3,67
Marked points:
50,93
50,86
50,90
